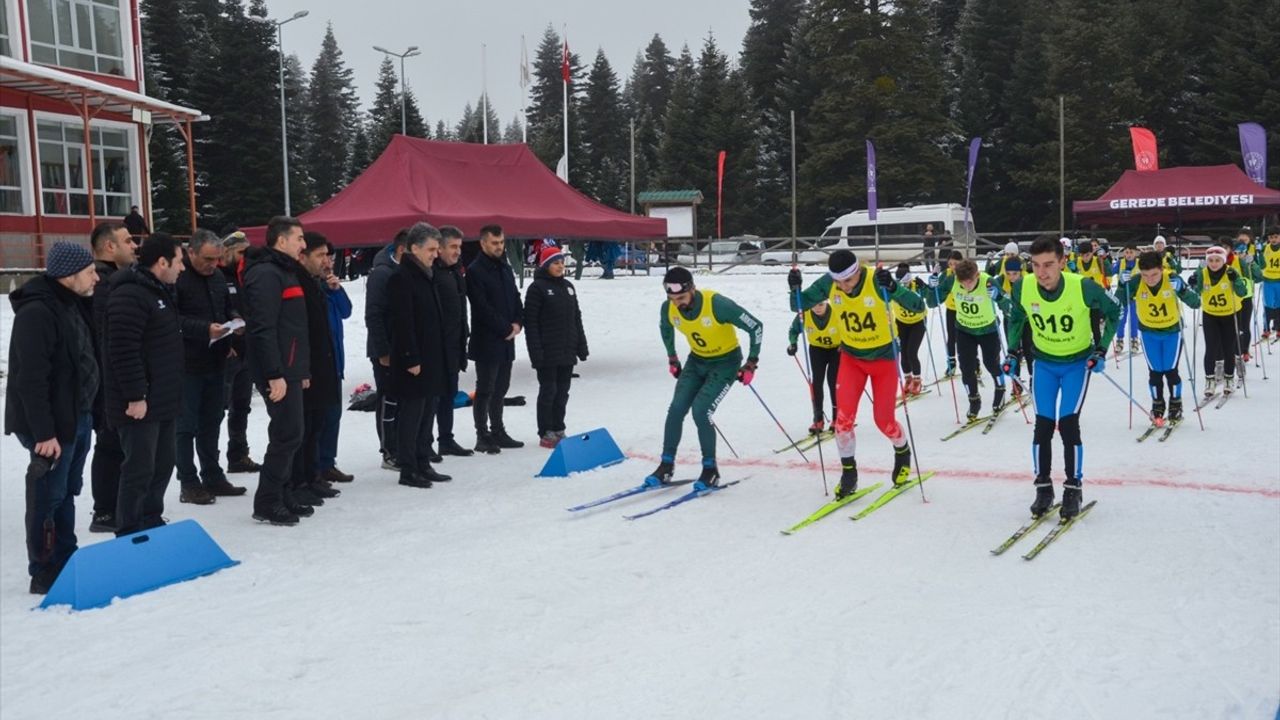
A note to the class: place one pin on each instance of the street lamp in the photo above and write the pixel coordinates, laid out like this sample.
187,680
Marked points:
411,52
284,133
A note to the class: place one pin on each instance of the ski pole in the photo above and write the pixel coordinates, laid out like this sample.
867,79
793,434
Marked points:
911,440
775,422
1131,387
1122,392
942,322
1195,395
725,439
803,374
808,376
1240,361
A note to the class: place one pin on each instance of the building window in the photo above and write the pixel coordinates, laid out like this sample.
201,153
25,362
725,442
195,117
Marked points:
6,46
80,34
62,178
11,190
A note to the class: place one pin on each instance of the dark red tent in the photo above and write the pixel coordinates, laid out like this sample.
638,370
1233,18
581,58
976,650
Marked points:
1208,192
470,186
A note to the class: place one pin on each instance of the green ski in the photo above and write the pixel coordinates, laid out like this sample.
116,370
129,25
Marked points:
829,508
1022,531
1058,530
890,494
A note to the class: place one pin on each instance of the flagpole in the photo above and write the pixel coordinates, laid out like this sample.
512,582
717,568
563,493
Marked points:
566,116
1062,167
524,92
484,91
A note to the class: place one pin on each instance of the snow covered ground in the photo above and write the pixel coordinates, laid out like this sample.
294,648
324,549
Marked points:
483,598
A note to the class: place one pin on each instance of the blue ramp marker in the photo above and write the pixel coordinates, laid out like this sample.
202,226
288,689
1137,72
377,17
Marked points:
584,451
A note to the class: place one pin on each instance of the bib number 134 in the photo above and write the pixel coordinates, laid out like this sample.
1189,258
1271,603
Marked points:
1054,323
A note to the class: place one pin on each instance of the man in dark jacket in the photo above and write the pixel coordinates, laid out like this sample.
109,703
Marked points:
451,287
113,249
553,333
496,319
239,383
280,358
144,379
324,390
378,343
135,223
418,370
53,378
204,306
339,310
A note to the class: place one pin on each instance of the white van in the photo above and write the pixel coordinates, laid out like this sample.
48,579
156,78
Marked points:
901,231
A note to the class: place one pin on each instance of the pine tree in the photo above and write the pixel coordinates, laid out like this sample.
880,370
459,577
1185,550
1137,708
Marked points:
546,108
471,127
442,131
606,155
361,156
799,86
168,77
385,115
331,114
678,162
301,192
513,133
647,95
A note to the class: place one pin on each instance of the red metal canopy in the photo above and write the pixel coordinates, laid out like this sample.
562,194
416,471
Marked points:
1208,192
470,186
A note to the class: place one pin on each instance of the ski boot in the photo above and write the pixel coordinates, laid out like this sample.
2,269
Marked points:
997,402
1157,412
1119,345
709,478
848,478
1242,363
1219,370
662,474
1072,494
901,465
1228,386
951,368
1210,387
816,427
1135,345
1044,497
975,407
1175,410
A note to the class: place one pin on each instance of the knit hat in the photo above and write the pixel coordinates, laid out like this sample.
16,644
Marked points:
842,264
1066,242
548,255
1159,241
235,239
1011,248
677,280
66,259
1013,265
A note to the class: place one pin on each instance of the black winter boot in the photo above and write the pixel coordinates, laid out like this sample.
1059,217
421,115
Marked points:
485,444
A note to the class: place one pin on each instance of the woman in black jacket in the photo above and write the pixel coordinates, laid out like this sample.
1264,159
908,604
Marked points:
553,332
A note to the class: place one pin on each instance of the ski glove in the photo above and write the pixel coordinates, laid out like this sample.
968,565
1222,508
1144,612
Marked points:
793,279
791,349
1097,361
884,279
933,280
1232,275
673,366
1177,283
1012,363
748,371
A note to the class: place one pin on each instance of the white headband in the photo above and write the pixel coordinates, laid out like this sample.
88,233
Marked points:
845,274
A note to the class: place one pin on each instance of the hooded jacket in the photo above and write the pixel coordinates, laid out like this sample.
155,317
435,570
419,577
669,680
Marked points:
143,354
378,341
276,316
553,322
53,375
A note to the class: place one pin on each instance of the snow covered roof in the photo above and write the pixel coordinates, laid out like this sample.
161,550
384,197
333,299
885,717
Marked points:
61,85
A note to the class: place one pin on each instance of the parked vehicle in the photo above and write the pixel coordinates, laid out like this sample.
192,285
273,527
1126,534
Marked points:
900,233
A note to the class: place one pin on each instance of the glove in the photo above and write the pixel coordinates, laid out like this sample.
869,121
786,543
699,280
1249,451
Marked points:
793,279
791,349
1012,362
933,280
673,366
1232,275
748,371
582,357
1177,283
884,279
1097,361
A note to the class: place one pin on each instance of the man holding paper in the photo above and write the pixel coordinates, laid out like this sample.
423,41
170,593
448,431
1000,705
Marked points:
208,320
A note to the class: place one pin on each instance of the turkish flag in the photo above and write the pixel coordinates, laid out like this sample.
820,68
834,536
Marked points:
1144,149
564,62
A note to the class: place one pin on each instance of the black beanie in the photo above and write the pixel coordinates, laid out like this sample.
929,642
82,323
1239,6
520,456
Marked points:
840,262
678,278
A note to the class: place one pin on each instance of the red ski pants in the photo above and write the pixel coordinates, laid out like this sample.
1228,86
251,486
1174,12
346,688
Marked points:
850,382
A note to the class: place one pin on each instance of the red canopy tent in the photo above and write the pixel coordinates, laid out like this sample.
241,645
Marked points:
1206,192
470,186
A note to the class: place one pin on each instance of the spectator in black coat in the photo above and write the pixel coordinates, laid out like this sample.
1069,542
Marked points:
144,379
205,308
135,223
378,343
53,379
113,249
496,320
324,391
418,372
451,287
239,383
556,342
280,358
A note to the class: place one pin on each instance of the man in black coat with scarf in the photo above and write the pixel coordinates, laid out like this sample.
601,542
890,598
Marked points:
325,390
53,378
144,379
451,288
496,319
418,372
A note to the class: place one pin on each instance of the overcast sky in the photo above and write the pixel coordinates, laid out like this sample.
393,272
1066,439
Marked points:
448,73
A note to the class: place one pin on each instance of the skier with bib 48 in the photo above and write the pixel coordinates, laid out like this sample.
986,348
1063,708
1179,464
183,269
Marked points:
856,295
1055,308
823,336
709,321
